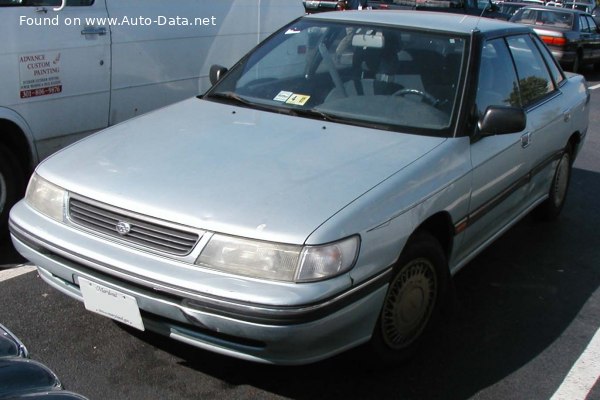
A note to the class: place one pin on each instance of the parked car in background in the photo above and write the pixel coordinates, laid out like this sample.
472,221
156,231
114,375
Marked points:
24,378
316,6
483,8
581,6
572,35
510,7
321,194
587,7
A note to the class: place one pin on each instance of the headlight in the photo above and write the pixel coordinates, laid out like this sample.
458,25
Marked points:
277,261
45,197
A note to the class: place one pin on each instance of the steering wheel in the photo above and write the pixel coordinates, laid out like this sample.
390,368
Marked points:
426,97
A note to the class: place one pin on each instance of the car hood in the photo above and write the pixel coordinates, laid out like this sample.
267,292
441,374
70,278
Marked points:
234,170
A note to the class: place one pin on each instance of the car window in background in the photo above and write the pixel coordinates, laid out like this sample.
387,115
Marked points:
534,79
584,26
544,17
592,24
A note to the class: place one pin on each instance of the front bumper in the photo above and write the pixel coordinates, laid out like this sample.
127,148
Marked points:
277,332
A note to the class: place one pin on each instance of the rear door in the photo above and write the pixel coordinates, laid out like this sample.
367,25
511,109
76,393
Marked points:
56,67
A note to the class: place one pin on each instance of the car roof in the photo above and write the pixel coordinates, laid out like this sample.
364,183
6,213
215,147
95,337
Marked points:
430,20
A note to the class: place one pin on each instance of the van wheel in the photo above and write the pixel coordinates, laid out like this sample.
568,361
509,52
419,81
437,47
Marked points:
11,186
552,206
412,302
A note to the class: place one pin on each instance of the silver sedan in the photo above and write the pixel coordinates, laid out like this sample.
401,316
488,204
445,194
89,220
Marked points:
321,194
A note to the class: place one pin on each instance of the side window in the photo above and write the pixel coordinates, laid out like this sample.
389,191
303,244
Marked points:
583,24
593,26
497,78
40,3
534,79
555,70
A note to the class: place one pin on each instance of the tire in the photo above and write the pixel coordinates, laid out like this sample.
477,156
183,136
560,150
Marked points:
576,66
12,184
413,301
551,207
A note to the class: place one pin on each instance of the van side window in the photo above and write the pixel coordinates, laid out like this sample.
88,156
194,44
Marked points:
52,3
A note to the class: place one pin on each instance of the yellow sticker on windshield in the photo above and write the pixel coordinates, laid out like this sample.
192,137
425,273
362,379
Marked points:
298,99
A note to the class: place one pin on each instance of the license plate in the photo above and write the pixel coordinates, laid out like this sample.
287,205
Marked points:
111,303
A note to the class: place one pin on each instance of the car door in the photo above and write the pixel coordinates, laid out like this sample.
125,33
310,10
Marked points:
499,162
548,114
58,62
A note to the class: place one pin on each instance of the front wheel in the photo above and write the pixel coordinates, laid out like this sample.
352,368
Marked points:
413,299
552,206
11,186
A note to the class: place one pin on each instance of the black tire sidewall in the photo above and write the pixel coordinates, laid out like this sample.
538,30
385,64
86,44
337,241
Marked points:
15,183
548,210
420,245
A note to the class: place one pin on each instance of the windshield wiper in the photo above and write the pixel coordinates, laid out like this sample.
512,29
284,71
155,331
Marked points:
233,97
313,113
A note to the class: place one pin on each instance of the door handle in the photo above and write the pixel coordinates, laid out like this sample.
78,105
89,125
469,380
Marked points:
525,139
94,30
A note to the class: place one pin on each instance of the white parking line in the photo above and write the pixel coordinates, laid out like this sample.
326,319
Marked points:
583,375
14,272
594,87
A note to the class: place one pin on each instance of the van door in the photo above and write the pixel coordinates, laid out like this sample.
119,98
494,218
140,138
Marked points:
55,68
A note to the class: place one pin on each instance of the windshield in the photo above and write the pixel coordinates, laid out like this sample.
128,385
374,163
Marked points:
384,77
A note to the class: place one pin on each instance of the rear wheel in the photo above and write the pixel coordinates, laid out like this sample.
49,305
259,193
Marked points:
552,206
12,183
576,66
412,303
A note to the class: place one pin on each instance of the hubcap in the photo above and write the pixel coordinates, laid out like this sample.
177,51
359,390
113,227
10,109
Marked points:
561,180
409,303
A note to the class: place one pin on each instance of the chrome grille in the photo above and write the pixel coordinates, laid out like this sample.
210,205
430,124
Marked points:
146,232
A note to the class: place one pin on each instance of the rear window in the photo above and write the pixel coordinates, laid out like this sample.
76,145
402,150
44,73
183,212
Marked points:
552,18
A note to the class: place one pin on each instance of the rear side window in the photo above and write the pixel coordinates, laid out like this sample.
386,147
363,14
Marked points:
535,81
553,67
41,3
584,25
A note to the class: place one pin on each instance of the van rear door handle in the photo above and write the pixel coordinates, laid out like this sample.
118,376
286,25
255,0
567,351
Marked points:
94,30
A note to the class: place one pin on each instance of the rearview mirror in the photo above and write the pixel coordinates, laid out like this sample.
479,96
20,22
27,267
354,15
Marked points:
369,39
499,120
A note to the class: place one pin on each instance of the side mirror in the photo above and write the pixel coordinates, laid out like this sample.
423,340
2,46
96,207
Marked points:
500,120
216,72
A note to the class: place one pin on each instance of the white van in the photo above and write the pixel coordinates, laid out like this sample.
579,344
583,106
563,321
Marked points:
67,70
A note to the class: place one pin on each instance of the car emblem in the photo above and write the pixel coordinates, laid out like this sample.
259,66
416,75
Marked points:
123,228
